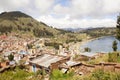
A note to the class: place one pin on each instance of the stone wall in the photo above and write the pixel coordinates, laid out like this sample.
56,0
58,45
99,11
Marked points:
87,68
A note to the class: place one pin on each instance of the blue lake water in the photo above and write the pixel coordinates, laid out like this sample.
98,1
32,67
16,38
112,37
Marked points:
103,44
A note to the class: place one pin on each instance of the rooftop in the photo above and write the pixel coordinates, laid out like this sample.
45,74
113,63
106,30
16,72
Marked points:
72,63
45,60
88,54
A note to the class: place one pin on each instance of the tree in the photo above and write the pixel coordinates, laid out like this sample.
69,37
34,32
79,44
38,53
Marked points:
118,28
29,46
114,46
87,49
11,57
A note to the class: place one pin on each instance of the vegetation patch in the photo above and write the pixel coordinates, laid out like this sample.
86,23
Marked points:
58,75
102,75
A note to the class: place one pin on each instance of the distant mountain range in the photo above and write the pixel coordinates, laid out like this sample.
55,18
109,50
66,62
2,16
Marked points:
86,29
98,32
95,32
21,23
73,29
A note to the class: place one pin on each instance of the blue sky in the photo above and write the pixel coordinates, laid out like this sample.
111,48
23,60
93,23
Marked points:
67,13
63,2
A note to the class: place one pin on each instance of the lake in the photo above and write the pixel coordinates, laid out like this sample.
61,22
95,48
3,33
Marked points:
103,44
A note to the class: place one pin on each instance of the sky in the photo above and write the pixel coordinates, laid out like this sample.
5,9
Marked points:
67,13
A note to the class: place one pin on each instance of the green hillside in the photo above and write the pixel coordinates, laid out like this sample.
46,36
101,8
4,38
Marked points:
19,22
98,32
24,25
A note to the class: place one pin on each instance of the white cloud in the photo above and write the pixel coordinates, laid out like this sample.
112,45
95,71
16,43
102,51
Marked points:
61,9
44,5
77,23
111,6
8,5
92,8
79,13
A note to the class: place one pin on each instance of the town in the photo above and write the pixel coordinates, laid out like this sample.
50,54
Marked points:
59,40
32,53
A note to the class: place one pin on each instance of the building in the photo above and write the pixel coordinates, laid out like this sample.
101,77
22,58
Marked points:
46,62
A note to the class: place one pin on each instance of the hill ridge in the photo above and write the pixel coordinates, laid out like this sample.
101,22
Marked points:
17,21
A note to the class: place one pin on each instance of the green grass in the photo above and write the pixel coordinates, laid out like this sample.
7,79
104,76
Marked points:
101,75
110,57
118,59
104,58
58,75
16,74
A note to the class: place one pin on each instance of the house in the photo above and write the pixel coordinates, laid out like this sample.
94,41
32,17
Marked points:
69,64
46,62
17,57
39,43
87,56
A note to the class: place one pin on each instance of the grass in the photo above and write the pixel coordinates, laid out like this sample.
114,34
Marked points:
96,75
104,58
58,75
118,59
16,74
102,75
110,57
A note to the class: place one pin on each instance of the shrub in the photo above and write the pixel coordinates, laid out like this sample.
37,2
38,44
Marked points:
87,49
58,75
113,57
17,74
53,44
11,57
102,75
114,45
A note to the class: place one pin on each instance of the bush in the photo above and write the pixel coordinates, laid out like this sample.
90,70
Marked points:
29,46
113,57
58,75
114,45
102,75
11,57
87,49
17,74
53,44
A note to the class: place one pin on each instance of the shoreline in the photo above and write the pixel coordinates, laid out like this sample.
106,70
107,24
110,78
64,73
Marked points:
76,46
86,41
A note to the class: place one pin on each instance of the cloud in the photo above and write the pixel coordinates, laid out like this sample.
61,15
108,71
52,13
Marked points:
77,23
8,5
111,6
44,6
77,13
89,8
61,9
34,8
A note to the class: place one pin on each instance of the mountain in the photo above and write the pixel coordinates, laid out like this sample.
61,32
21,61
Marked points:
73,29
17,21
98,32
23,25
